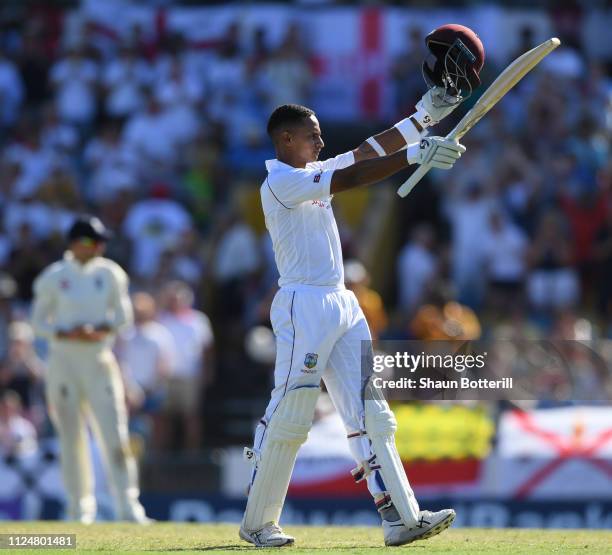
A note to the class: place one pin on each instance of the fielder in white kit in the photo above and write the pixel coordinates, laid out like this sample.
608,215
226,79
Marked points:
319,325
80,302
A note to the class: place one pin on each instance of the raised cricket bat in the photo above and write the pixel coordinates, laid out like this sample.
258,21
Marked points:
504,82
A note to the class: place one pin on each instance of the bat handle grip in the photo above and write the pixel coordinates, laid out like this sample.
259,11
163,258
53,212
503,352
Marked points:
410,183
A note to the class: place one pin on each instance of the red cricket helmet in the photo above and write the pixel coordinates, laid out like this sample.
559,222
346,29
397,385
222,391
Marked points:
457,56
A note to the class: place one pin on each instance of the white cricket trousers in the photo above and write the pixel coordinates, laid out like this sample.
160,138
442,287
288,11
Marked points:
319,333
83,381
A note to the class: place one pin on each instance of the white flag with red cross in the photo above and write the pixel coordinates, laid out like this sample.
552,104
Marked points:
554,453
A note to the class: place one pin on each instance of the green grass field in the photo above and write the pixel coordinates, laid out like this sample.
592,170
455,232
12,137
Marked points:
223,538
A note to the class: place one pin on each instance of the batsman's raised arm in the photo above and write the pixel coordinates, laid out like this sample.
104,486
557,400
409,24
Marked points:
297,138
437,152
430,110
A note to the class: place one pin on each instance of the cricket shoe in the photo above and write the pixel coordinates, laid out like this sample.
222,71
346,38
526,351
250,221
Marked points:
429,524
271,535
143,520
135,513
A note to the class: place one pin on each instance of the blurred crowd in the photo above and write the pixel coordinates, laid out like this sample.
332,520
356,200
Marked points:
155,136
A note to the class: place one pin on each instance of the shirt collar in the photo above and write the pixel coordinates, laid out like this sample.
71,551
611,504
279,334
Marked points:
276,165
70,259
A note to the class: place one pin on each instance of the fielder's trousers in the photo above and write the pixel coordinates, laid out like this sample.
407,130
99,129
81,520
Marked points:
83,386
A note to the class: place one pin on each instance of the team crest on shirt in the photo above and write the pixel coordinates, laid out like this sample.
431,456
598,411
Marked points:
317,178
310,360
99,283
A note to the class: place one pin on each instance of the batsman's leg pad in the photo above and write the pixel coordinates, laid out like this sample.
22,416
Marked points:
287,430
381,425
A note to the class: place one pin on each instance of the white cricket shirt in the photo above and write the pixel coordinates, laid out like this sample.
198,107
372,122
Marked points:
299,216
68,294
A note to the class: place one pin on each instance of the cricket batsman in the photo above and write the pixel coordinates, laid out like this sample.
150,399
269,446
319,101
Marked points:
79,304
318,323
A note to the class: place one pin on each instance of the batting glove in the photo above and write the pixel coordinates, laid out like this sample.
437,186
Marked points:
435,105
437,152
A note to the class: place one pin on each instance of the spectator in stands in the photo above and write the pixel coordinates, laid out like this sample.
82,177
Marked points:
357,279
226,77
406,73
468,214
258,52
236,260
526,41
203,182
552,283
58,136
154,225
518,180
505,253
145,43
146,354
11,92
184,261
180,93
75,80
34,61
175,50
444,318
17,434
546,121
286,76
586,215
5,242
110,162
114,211
416,267
124,79
150,136
602,254
26,260
32,161
21,370
193,344
8,289
59,192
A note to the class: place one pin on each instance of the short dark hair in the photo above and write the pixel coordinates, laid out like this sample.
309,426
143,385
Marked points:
287,115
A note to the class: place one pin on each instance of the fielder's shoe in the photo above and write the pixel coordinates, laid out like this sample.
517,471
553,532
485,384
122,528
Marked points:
86,519
143,520
429,524
270,535
82,510
135,512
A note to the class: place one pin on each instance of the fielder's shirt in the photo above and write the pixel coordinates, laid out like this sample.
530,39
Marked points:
297,208
69,294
